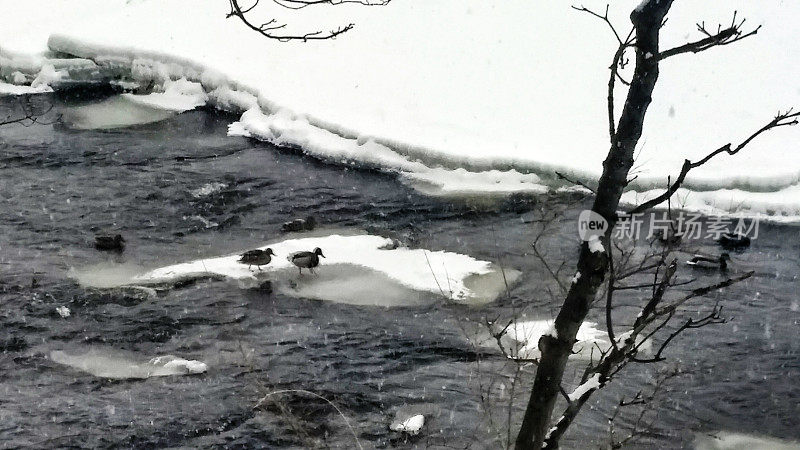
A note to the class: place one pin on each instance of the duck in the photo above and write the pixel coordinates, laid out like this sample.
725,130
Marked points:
307,224
256,258
107,242
706,262
734,241
306,260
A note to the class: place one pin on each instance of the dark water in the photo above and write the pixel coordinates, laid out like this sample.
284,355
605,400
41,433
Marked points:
58,185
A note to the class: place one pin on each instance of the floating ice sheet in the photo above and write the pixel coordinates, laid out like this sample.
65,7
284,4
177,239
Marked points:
726,440
356,269
522,338
105,363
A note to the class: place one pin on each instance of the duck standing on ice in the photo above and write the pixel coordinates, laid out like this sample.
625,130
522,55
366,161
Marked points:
256,258
306,260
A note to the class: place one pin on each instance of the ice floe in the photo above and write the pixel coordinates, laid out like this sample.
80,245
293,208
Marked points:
411,425
105,363
357,269
727,440
522,339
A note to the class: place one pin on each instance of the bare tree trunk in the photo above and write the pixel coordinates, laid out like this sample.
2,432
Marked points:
647,20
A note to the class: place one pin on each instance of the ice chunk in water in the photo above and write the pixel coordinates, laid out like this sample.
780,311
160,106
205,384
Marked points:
106,363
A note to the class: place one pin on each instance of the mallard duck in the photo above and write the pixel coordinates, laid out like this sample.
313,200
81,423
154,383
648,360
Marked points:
108,242
306,260
299,225
734,241
256,258
706,262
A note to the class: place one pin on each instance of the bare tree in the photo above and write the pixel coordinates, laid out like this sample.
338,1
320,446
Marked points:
595,265
272,29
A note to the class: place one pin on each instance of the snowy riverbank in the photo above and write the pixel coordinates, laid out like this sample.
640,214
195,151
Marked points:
443,119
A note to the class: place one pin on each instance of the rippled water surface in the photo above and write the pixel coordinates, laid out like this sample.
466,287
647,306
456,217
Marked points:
180,189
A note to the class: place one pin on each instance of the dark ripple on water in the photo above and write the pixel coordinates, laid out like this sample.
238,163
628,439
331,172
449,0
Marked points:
181,189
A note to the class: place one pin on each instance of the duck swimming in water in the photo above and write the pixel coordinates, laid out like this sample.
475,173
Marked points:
299,225
107,242
256,258
734,241
306,260
705,262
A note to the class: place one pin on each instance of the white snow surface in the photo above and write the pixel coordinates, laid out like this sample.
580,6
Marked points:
412,425
13,89
178,96
590,384
432,271
595,246
525,335
529,98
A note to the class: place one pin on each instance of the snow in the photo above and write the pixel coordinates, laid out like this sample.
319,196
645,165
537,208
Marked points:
782,205
47,75
455,276
13,89
178,96
576,278
527,101
412,425
283,128
595,246
525,334
180,365
590,384
107,363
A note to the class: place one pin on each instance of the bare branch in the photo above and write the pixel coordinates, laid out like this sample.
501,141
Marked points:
267,28
726,36
782,119
575,182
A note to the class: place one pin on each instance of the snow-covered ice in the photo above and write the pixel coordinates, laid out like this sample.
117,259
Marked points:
516,103
107,363
411,425
14,89
523,338
356,269
178,96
